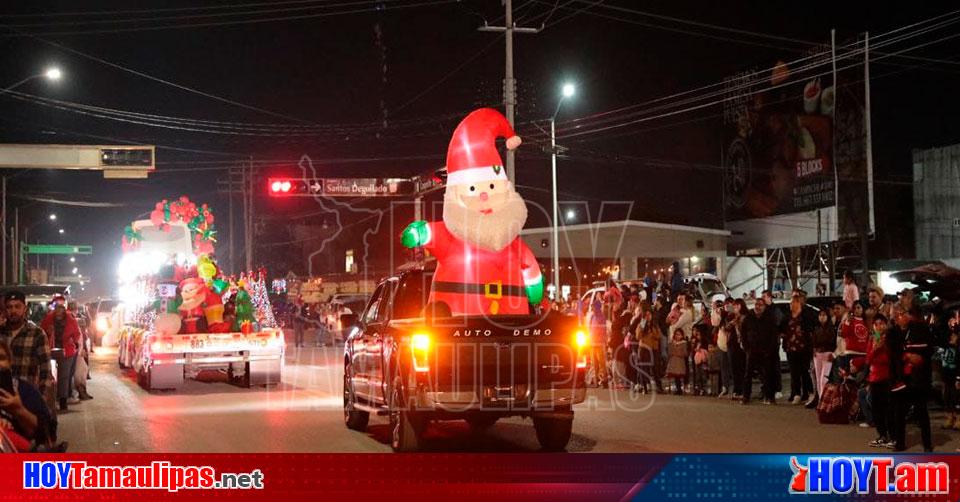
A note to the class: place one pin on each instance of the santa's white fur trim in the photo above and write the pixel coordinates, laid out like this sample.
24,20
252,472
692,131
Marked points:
476,175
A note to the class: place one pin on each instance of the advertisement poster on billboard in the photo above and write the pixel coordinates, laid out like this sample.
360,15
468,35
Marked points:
778,137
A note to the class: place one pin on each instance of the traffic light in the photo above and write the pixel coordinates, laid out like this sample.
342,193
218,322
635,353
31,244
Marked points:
285,187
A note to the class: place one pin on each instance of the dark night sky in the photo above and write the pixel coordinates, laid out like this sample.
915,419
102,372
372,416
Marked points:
328,70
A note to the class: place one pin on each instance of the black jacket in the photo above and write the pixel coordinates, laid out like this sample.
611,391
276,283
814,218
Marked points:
759,335
916,340
825,338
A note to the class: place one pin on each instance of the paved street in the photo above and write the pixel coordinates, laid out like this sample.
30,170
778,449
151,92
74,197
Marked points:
304,415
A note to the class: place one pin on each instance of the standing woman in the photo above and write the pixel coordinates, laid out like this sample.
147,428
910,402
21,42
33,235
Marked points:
738,357
798,344
824,345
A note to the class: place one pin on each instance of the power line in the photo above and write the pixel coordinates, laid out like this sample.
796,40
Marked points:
723,93
271,10
375,8
155,79
349,128
449,74
164,9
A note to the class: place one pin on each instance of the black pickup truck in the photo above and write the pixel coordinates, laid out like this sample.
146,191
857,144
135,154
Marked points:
415,363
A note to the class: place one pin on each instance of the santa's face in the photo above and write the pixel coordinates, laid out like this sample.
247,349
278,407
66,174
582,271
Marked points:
192,294
488,214
485,198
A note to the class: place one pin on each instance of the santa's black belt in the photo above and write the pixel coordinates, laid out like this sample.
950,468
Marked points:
489,290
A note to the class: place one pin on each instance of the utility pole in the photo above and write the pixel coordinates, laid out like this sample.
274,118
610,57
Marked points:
3,227
868,223
230,177
509,83
248,216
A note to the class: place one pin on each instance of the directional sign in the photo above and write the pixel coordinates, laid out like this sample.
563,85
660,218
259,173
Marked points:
340,187
55,249
366,187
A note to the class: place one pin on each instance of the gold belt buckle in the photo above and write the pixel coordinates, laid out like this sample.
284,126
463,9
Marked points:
488,286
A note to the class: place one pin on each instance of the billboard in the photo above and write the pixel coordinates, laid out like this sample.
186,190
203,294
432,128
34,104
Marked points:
778,137
795,155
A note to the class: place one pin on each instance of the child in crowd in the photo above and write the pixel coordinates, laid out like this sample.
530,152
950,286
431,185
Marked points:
677,364
700,342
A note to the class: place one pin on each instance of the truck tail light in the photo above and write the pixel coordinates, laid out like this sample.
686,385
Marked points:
420,347
581,340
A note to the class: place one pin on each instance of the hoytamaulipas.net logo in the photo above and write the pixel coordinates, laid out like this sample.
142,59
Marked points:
868,475
158,475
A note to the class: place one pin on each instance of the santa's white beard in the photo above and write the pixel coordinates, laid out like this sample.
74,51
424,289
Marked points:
487,231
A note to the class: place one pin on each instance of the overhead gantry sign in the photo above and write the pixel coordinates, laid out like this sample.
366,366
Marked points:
116,161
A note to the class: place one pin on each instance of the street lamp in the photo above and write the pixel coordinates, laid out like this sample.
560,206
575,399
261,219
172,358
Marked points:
60,231
567,91
53,217
52,74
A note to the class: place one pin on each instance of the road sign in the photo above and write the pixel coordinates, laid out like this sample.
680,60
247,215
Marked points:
55,249
366,187
340,187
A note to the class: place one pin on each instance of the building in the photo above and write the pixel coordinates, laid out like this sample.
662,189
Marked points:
936,200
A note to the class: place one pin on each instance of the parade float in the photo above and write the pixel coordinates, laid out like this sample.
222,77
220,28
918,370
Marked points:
181,315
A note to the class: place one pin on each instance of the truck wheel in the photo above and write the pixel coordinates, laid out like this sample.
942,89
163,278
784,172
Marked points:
481,422
406,426
553,432
354,419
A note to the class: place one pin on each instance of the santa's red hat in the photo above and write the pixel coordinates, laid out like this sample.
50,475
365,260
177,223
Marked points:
472,156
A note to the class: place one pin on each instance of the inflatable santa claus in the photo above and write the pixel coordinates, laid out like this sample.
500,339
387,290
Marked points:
483,267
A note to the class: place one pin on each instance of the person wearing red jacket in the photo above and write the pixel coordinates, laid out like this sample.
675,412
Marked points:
63,330
878,378
856,337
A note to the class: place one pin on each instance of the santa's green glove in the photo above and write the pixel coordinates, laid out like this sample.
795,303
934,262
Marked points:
416,234
535,292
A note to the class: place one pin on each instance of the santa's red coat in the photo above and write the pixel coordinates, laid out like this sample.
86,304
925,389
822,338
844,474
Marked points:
489,282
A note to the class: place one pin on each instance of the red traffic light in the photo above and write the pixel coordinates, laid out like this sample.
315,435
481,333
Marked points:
280,186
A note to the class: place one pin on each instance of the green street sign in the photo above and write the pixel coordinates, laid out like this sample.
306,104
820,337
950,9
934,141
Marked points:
55,249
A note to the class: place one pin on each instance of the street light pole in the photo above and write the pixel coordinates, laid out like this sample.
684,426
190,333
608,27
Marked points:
556,208
51,74
568,91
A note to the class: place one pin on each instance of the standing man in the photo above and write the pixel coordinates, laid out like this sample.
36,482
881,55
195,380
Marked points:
911,349
62,328
762,344
298,321
28,344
